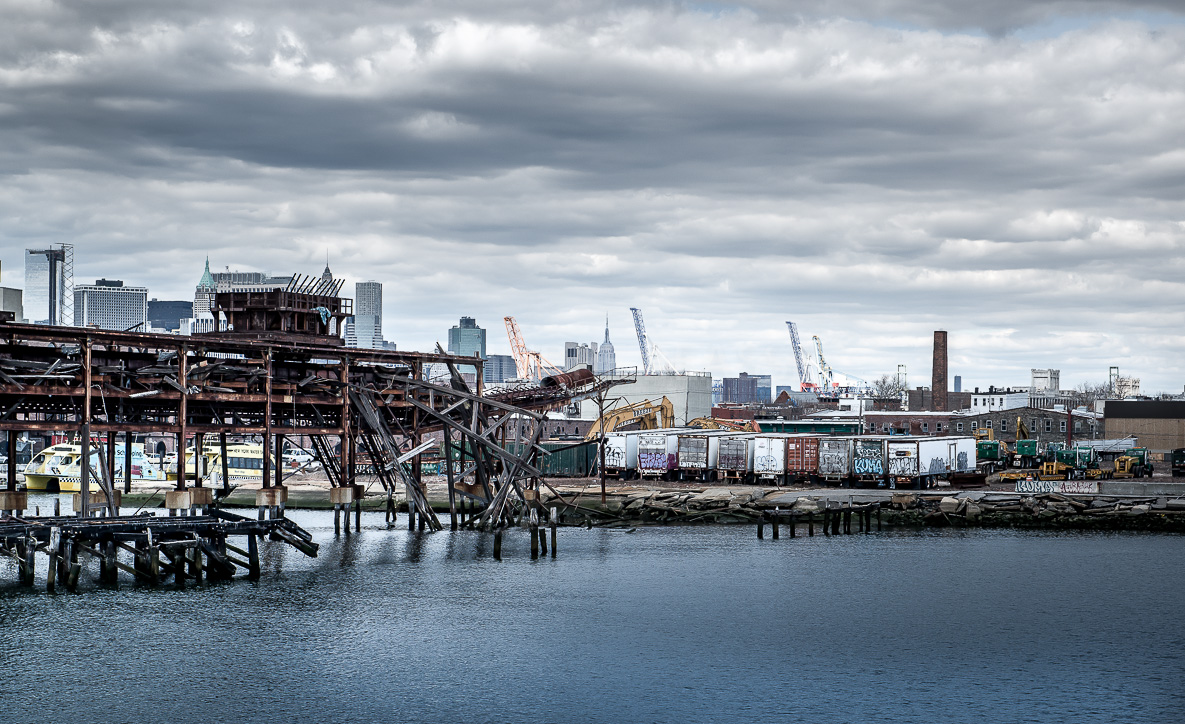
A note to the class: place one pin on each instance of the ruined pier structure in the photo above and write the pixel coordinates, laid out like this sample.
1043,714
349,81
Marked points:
275,369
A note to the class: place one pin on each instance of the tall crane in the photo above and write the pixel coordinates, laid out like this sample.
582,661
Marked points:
529,365
643,345
824,368
802,373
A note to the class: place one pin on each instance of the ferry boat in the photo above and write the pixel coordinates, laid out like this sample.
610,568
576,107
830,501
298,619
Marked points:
58,468
244,463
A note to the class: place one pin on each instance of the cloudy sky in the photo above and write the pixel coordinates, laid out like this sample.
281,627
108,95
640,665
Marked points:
1013,172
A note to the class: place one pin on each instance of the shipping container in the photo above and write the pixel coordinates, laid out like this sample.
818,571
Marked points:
657,453
736,457
868,460
835,455
802,458
621,454
698,453
769,457
564,458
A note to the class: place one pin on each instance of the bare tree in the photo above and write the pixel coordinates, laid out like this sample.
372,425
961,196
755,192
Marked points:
1085,394
887,386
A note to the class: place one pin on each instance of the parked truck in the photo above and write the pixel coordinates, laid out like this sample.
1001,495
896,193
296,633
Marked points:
1178,461
1026,454
991,455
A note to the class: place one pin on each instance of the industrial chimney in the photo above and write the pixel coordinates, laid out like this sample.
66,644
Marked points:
938,381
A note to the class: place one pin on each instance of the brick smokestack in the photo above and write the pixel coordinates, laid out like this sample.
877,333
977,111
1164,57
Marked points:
938,382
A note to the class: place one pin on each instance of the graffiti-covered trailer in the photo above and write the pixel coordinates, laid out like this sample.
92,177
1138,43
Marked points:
699,453
735,461
869,455
621,454
786,458
657,454
918,462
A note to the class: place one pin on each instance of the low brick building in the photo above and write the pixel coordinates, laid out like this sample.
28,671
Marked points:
908,423
1044,425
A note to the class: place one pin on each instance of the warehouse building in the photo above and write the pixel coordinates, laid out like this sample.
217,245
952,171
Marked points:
1157,424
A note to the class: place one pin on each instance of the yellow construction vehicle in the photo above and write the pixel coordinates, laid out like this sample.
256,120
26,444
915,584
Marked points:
720,423
649,416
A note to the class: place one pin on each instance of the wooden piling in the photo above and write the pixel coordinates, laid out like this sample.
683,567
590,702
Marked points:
555,522
835,523
793,523
534,534
761,528
810,524
358,514
252,558
826,521
847,521
774,523
498,545
337,518
878,520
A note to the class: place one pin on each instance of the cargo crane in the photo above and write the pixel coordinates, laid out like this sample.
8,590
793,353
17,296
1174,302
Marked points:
825,373
804,382
640,328
529,364
648,348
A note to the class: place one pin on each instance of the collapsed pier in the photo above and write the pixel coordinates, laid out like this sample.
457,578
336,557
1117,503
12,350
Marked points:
276,369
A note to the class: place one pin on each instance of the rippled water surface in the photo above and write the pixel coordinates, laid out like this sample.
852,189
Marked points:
673,624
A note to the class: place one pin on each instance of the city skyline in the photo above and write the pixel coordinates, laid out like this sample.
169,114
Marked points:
1008,173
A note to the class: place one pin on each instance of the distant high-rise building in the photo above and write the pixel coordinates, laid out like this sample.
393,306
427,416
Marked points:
958,383
467,339
745,389
203,296
108,304
366,327
606,357
499,368
168,314
578,353
765,384
49,285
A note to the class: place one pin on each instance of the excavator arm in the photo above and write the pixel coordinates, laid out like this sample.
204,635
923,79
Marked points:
648,414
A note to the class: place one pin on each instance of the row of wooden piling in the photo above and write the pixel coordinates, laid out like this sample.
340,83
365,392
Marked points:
835,521
190,549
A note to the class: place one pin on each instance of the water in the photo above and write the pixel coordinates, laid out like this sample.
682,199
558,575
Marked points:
662,625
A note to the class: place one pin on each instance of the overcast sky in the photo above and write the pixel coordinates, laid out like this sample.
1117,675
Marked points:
1012,172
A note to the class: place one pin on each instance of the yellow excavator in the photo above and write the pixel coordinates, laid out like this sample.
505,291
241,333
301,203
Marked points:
720,423
649,416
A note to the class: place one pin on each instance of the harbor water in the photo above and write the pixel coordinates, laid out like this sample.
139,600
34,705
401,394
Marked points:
676,624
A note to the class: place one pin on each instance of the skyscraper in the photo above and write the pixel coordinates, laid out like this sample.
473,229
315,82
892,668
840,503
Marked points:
368,314
49,285
467,339
108,304
606,357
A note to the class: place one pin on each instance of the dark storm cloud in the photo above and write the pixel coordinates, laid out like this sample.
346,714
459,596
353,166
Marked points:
870,169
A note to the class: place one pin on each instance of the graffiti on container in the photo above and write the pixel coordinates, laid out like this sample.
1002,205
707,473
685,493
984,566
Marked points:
1057,486
902,466
652,461
831,463
937,466
614,457
868,466
962,461
765,463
